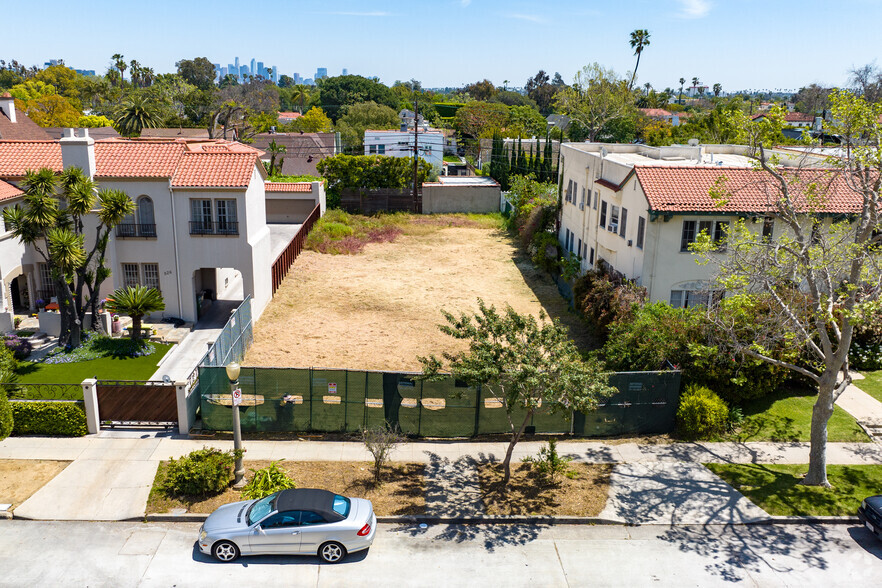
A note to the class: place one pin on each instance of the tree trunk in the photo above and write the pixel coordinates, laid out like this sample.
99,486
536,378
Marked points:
71,326
821,413
136,327
515,437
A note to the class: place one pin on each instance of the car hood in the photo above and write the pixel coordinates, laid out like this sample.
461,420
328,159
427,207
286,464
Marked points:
230,516
875,502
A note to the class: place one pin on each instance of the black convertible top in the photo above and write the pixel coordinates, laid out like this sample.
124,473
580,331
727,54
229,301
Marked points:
318,501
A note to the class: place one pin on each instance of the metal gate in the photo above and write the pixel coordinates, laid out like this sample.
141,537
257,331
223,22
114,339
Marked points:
137,403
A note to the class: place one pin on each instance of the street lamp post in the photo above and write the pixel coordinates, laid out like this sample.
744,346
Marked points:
232,370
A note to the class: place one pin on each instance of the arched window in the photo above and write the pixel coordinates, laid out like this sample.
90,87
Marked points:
146,221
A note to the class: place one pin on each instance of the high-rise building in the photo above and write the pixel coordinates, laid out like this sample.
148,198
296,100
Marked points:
261,71
321,72
297,78
345,72
275,75
253,71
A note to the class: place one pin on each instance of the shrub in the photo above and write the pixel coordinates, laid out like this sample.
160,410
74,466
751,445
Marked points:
21,348
6,420
266,481
656,336
204,471
545,251
48,418
701,414
603,301
550,464
380,441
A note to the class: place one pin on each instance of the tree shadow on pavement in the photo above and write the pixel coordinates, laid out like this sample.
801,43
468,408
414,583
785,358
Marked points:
599,454
736,551
490,536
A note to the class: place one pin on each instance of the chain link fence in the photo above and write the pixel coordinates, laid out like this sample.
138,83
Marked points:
327,400
234,339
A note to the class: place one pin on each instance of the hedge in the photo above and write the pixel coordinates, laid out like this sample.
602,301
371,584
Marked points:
48,418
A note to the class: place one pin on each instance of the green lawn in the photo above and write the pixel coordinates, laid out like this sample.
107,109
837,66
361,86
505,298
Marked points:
776,489
105,368
452,159
872,384
787,416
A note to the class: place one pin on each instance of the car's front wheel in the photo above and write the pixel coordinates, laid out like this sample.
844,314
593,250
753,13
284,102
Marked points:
225,551
332,552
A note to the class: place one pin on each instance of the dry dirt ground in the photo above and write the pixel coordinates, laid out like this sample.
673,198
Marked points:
401,492
380,309
19,478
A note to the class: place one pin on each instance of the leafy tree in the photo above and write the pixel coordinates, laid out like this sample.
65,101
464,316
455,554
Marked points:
31,90
370,172
339,91
541,91
530,366
477,119
812,99
238,107
525,121
198,72
52,111
596,98
718,87
314,121
818,272
92,121
136,302
483,90
866,81
274,149
50,219
286,81
66,81
360,117
639,41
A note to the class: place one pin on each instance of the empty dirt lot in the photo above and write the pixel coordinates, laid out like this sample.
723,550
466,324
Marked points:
380,309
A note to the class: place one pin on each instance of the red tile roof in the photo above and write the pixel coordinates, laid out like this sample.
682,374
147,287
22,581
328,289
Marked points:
654,112
215,170
799,117
687,189
17,157
134,159
8,191
288,187
201,163
291,115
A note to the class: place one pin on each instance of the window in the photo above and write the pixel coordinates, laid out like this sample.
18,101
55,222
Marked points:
131,275
341,505
307,517
381,149
151,275
692,298
146,220
575,192
691,229
596,197
624,224
582,202
613,219
591,257
226,217
641,228
47,286
570,191
603,214
768,228
566,242
281,520
579,248
200,216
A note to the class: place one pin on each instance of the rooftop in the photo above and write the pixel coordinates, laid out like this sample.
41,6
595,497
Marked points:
8,191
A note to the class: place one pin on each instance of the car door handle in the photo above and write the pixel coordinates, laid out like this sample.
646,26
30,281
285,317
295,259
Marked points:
295,533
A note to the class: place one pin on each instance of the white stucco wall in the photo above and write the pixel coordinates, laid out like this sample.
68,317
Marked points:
399,144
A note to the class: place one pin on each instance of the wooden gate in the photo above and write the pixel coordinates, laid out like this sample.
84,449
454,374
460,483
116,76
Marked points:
137,403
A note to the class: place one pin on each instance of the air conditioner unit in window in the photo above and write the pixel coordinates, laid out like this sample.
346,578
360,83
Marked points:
630,242
581,206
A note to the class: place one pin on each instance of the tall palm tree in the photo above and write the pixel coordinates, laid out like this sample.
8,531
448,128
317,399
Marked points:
301,95
718,87
135,113
695,83
120,64
136,302
682,81
639,41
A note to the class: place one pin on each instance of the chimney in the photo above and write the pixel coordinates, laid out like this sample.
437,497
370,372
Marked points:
7,105
403,126
78,150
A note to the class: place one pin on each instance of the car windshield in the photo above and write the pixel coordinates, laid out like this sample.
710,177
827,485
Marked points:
261,508
341,505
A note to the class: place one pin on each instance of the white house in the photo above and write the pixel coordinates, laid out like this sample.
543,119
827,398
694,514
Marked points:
200,221
430,145
635,209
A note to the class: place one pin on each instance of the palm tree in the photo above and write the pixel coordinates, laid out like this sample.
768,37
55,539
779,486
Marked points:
301,95
120,64
639,41
718,87
136,302
695,83
682,81
646,88
136,113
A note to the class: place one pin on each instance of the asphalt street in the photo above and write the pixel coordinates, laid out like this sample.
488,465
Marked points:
97,554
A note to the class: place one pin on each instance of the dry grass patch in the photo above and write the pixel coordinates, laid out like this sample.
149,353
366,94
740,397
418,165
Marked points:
20,478
380,309
528,492
401,493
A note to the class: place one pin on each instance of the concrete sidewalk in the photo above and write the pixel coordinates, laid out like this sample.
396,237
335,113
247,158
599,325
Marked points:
112,472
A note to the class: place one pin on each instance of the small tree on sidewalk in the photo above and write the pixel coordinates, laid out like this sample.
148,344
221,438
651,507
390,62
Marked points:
380,441
530,366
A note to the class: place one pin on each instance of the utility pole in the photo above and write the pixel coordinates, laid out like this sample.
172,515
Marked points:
416,153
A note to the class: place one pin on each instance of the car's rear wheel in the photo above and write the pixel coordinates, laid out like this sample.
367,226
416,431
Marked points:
225,551
332,552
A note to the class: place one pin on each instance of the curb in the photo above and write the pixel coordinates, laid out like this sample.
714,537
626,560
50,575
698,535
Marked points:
538,520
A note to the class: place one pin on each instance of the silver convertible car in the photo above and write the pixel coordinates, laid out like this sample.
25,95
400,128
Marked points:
300,521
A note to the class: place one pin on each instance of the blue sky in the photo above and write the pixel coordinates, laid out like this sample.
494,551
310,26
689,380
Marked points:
742,44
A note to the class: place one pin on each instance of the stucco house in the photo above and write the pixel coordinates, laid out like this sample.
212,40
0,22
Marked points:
200,223
634,209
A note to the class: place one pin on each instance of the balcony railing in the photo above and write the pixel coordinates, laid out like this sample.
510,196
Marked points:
130,230
214,228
